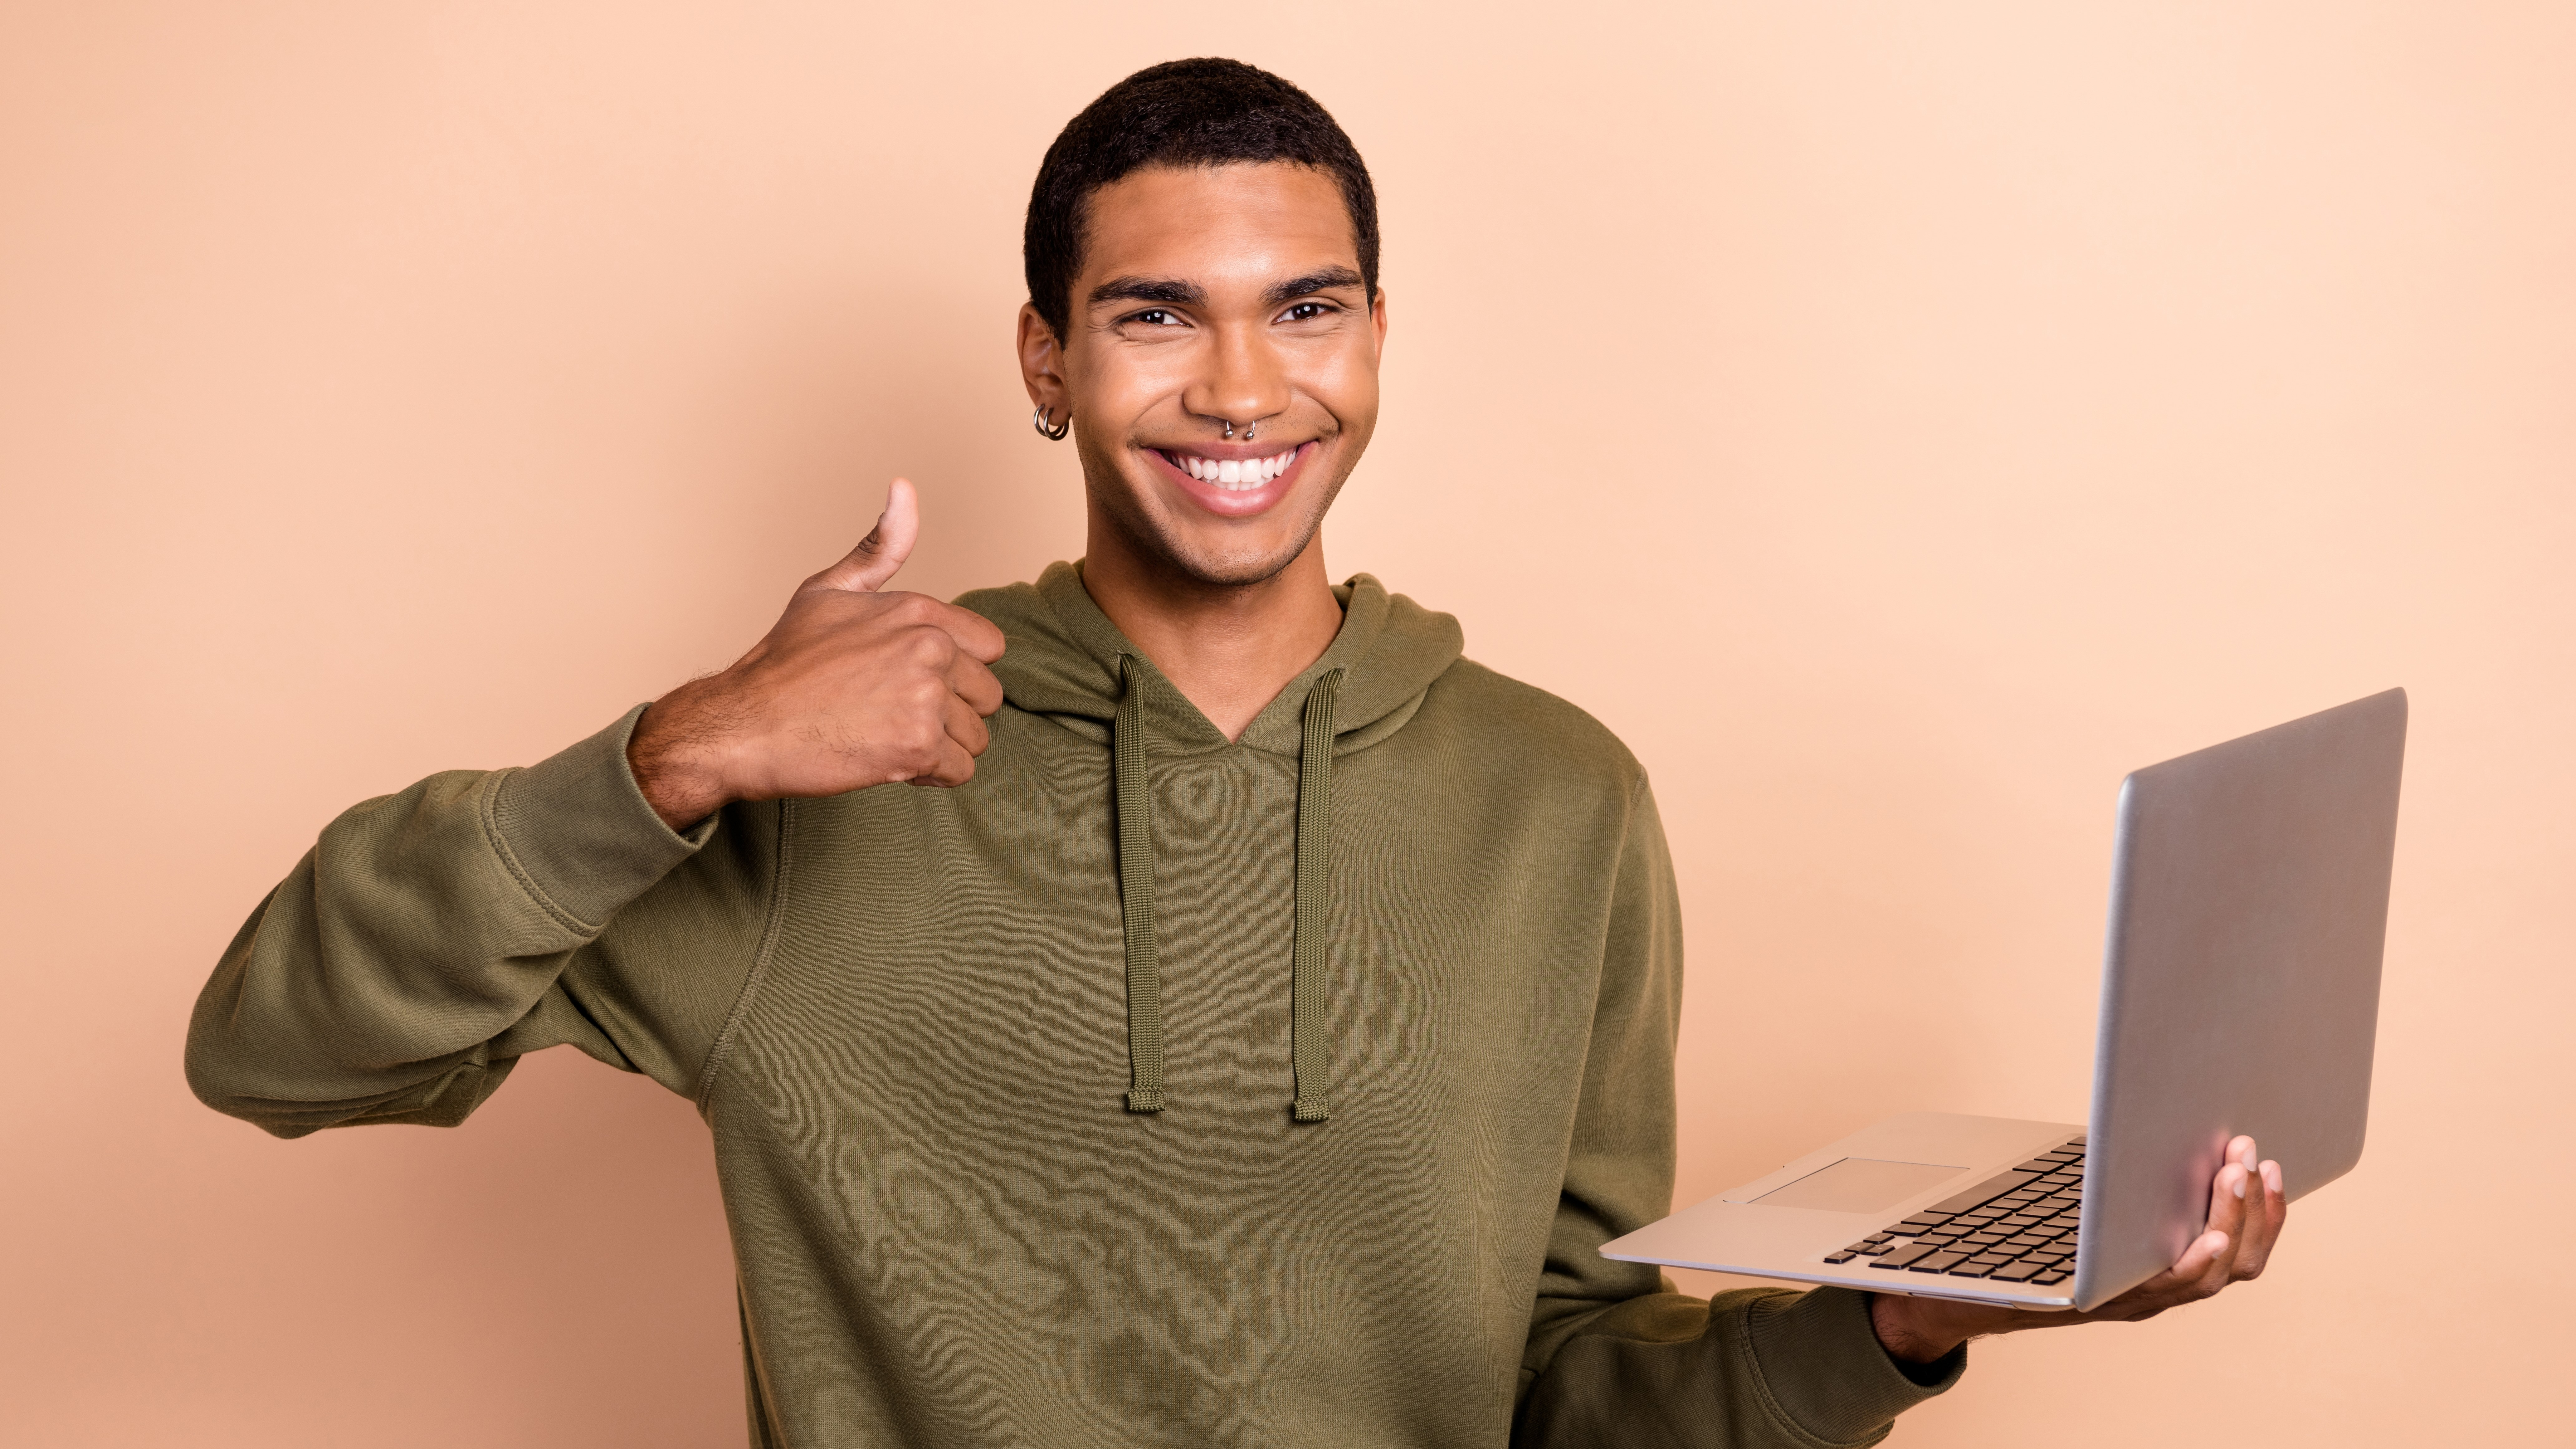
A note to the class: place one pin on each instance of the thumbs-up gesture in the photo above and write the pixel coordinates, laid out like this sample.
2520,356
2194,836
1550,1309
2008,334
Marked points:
853,686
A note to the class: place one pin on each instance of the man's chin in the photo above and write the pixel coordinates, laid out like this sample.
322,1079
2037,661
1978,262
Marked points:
1228,569
1212,555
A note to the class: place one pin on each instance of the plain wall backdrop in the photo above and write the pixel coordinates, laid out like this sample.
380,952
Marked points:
1896,421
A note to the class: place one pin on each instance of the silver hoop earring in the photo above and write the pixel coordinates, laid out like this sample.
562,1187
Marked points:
1038,420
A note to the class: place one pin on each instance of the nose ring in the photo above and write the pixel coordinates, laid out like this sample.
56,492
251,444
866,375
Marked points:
1247,428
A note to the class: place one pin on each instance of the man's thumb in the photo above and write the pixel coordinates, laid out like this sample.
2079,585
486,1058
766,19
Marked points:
885,548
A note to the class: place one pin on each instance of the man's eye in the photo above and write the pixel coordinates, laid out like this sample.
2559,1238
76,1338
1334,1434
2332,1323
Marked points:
1305,312
1155,317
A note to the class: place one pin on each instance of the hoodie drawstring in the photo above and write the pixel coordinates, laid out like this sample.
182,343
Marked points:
1136,899
1310,1038
1310,1031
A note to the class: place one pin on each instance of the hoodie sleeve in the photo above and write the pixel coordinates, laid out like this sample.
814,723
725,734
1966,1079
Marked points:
1614,1356
432,937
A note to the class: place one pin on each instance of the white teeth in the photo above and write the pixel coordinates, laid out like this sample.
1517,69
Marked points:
1236,475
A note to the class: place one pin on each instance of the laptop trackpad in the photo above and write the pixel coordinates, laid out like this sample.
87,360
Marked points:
1858,1185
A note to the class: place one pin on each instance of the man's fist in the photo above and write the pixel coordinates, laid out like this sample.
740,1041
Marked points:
851,687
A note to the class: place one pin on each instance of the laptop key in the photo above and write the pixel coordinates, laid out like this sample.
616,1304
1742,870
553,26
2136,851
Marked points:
1984,1192
2017,1272
1845,1256
1904,1257
1937,1263
1974,1268
2054,1275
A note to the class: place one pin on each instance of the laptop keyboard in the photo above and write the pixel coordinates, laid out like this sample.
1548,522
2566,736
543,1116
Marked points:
2017,1226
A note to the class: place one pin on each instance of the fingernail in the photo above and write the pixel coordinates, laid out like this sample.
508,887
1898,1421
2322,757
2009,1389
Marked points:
2240,1184
2272,1176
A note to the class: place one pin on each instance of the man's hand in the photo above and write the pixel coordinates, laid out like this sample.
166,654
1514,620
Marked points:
2246,1211
851,688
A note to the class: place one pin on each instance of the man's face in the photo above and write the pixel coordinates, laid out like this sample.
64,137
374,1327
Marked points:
1209,296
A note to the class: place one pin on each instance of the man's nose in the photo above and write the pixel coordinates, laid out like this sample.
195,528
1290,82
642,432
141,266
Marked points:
1246,380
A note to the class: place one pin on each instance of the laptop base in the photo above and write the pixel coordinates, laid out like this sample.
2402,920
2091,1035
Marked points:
1786,1224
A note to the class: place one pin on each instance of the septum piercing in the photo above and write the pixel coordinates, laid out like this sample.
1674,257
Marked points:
1247,428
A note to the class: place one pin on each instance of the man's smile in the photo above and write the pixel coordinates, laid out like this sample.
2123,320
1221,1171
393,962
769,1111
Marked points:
1226,481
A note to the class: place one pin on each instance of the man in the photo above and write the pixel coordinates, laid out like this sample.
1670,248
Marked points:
1255,1038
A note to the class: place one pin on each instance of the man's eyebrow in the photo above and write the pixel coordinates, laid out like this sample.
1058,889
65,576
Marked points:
1319,280
1148,289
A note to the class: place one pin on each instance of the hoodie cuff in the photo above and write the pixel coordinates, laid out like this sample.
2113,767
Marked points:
1825,1368
576,830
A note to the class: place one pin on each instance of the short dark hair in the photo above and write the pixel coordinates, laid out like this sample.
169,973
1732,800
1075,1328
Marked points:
1204,112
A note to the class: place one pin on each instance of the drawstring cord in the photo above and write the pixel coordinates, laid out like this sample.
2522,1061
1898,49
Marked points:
1310,1040
1136,899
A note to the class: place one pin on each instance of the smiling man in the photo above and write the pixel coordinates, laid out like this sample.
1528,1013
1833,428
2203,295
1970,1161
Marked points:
1255,1040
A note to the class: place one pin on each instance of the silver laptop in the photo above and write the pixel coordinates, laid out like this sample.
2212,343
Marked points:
2240,994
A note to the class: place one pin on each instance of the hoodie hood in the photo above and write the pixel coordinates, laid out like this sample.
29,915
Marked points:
1065,660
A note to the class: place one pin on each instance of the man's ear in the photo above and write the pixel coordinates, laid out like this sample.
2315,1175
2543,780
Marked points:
1377,319
1042,364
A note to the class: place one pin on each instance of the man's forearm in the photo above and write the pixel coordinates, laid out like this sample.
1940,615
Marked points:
671,756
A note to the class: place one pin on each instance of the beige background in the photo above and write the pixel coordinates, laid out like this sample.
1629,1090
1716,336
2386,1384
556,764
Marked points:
1894,420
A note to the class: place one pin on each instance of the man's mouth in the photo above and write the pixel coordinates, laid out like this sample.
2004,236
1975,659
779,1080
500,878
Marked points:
1232,475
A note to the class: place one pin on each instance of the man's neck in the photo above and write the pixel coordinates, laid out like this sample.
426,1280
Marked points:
1229,648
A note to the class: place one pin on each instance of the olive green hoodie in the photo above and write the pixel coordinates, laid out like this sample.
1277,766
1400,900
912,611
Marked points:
1150,1089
